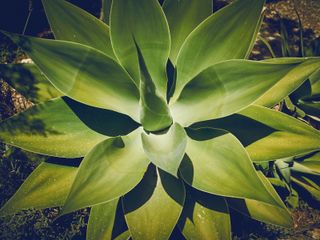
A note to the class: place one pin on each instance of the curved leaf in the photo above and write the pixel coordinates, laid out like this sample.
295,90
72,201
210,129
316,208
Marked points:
71,23
183,16
312,162
81,72
205,216
47,186
106,221
145,23
226,88
50,128
105,10
29,81
268,134
154,111
264,212
227,34
166,150
289,82
110,170
153,208
217,163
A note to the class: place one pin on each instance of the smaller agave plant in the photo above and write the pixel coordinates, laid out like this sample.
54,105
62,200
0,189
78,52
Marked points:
159,119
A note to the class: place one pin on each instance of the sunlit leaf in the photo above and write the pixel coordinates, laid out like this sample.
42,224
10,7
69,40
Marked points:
227,34
83,73
152,209
110,170
142,21
47,186
268,134
166,150
71,23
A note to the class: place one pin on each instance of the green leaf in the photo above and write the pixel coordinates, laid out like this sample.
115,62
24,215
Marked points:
105,10
82,72
71,23
28,81
184,16
153,208
289,82
110,170
106,221
51,128
312,162
225,88
217,163
166,150
227,34
268,134
205,216
154,111
315,193
47,186
145,23
264,212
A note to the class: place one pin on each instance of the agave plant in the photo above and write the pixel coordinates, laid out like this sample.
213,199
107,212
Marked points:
167,114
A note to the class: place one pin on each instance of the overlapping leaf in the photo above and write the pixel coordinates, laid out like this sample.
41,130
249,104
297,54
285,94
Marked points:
268,134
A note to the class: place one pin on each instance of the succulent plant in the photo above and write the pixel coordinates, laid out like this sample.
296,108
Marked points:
165,115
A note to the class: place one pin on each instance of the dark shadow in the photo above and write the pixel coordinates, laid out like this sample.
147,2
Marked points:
120,225
176,235
246,129
203,134
171,75
71,162
306,196
186,169
103,121
173,186
142,192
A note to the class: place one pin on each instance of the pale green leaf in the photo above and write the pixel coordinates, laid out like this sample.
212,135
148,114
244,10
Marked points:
312,162
47,186
315,193
227,34
289,82
166,150
28,81
110,170
154,111
53,128
225,88
153,208
217,163
264,212
205,216
183,16
268,134
142,21
106,221
83,73
74,24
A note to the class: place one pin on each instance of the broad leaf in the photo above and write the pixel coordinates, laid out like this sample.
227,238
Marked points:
74,24
29,81
312,162
217,163
52,128
264,212
153,208
290,82
142,21
154,111
268,134
184,16
226,88
227,34
205,216
47,186
166,150
106,221
109,171
82,72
